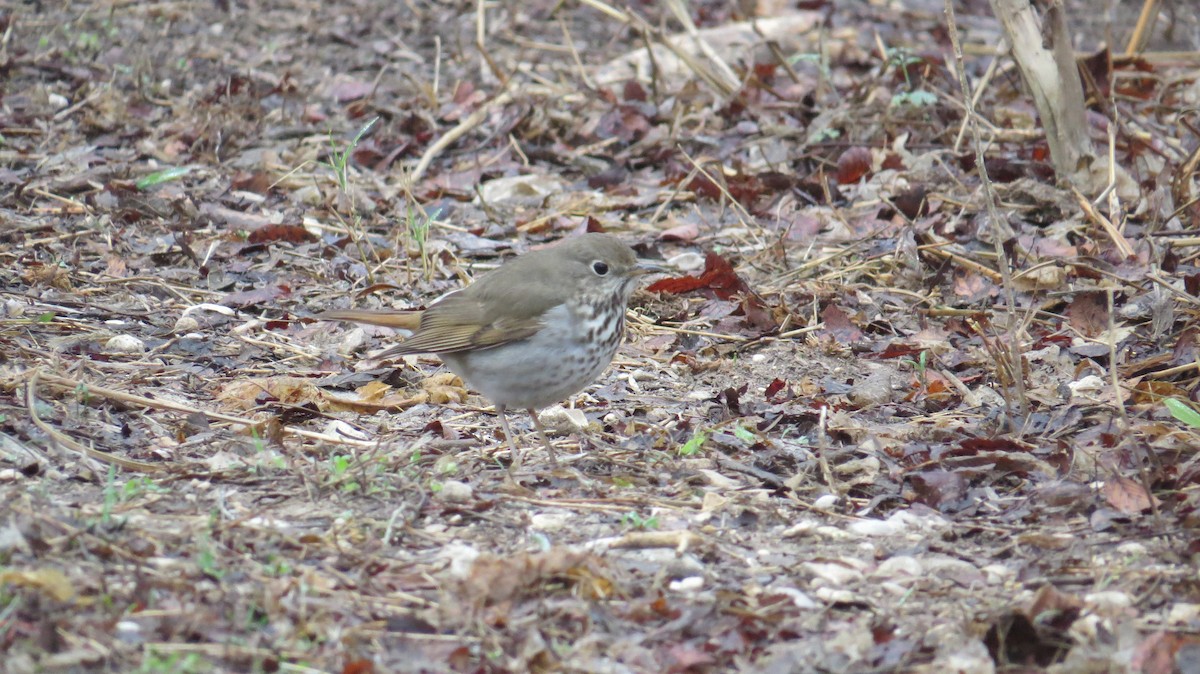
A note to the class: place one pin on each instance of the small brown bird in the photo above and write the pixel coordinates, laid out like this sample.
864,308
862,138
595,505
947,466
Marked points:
538,329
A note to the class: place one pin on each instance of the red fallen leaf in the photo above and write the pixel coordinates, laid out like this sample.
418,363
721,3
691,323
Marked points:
705,187
677,286
1088,313
899,350
765,72
744,189
593,225
774,387
803,227
248,298
1160,653
1054,608
1014,640
970,285
612,177
820,188
286,233
663,609
626,121
935,385
313,114
346,90
893,161
839,326
685,232
853,165
230,87
936,488
1097,69
992,445
720,277
686,657
912,202
368,152
1127,496
463,92
460,659
1187,346
776,181
1005,169
1043,247
257,182
633,91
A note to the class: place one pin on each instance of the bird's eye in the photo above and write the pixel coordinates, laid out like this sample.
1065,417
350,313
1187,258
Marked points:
600,268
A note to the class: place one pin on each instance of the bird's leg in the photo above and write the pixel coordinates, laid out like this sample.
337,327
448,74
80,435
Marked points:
542,434
512,444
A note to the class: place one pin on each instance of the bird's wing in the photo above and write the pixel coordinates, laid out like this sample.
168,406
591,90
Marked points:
458,323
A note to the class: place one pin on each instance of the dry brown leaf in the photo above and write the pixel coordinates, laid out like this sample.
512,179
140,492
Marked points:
493,580
249,394
51,582
1127,496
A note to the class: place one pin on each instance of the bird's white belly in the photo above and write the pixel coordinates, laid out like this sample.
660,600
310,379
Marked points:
561,359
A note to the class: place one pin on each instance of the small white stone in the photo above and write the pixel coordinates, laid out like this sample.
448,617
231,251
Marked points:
309,195
1089,384
352,339
563,420
799,598
832,533
910,521
205,306
830,595
57,101
1132,549
124,344
801,528
1108,602
341,429
898,566
453,491
461,557
1183,614
549,521
657,414
998,573
186,324
874,528
826,502
686,585
720,481
832,574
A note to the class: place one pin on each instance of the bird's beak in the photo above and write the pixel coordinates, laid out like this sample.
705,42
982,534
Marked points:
645,267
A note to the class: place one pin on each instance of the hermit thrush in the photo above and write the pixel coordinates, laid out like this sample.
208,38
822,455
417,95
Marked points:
534,331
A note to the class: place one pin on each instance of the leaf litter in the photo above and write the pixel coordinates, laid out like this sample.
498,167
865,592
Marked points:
812,454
